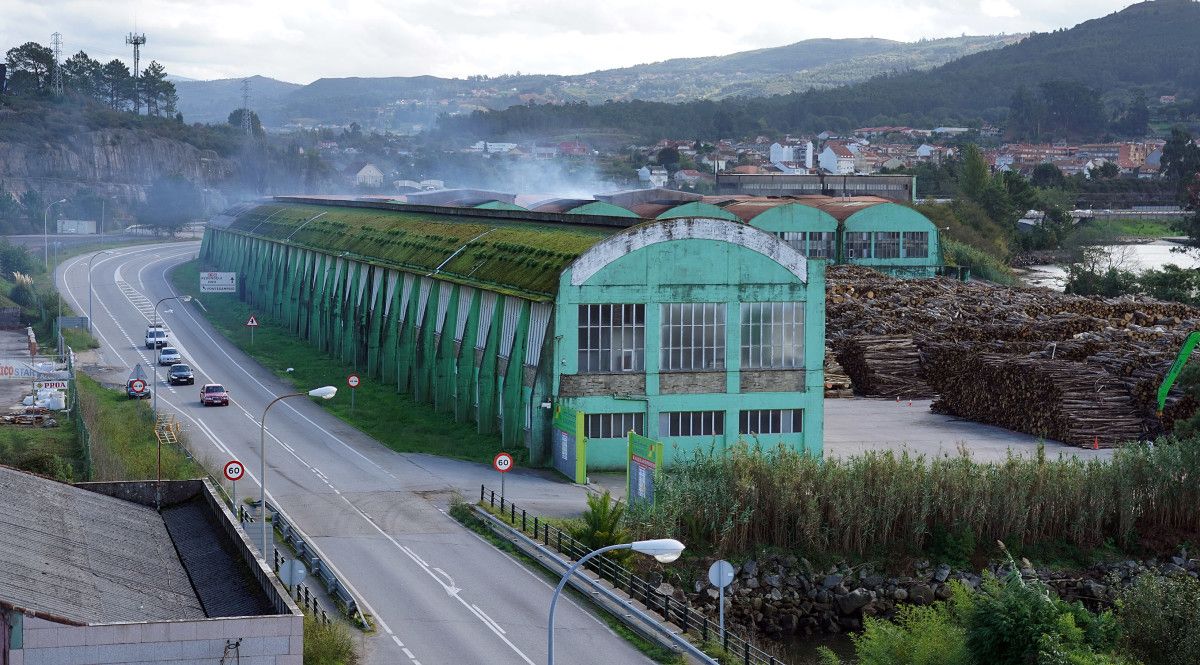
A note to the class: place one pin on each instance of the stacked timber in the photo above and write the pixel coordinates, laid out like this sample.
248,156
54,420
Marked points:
837,382
1067,367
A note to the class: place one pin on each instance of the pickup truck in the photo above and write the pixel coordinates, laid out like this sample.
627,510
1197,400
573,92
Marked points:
156,336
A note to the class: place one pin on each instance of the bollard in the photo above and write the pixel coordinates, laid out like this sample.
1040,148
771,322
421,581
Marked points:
546,537
522,520
481,491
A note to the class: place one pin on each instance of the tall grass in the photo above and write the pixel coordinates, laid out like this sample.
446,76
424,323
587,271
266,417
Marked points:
888,502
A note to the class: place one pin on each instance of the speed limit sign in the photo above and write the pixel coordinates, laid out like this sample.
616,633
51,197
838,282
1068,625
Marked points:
138,385
234,470
503,462
352,380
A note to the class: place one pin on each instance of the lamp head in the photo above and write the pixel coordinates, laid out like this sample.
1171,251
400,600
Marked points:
185,298
324,392
665,550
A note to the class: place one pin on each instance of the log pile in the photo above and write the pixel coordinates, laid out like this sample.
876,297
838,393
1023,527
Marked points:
837,382
1066,367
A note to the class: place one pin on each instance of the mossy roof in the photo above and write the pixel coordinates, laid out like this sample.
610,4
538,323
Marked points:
512,257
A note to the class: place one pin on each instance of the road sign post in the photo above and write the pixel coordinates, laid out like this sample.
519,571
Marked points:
252,323
720,574
503,462
353,382
234,471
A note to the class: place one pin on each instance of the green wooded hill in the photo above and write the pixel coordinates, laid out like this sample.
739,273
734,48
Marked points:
1149,48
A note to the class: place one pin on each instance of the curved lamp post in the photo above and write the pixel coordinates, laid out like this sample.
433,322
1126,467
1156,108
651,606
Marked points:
325,392
103,251
46,233
665,550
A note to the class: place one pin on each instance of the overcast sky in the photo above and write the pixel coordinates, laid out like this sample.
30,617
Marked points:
303,40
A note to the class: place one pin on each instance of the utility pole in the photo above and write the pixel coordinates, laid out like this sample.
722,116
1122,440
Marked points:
56,80
247,126
135,40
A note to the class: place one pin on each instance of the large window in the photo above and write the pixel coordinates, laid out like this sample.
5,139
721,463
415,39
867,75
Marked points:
612,338
772,335
858,245
796,239
771,421
916,244
693,336
612,425
822,244
887,245
691,423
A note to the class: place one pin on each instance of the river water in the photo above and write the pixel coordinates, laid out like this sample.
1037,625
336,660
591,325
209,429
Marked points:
1135,258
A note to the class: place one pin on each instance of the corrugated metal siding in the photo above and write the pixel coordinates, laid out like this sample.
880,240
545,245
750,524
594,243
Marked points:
392,278
362,281
465,295
487,308
376,281
539,321
443,305
337,274
405,295
508,333
423,300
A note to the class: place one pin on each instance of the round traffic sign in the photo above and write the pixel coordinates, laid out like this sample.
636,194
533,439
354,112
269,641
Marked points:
138,385
234,470
292,572
352,380
720,574
503,462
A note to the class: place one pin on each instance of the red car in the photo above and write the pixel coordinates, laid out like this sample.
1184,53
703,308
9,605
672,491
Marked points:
214,393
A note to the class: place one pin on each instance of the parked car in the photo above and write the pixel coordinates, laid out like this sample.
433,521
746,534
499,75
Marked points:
214,393
180,374
156,336
133,393
169,356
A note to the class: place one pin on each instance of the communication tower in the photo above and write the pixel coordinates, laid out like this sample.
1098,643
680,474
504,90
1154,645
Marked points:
56,85
135,40
247,126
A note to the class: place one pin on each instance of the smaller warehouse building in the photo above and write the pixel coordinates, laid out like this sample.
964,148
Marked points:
92,574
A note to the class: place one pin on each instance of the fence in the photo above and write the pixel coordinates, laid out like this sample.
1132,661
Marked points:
76,415
690,621
337,590
304,597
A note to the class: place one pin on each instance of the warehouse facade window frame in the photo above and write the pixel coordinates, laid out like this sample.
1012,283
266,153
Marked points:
691,423
612,338
771,421
692,337
858,245
613,425
772,335
886,245
916,244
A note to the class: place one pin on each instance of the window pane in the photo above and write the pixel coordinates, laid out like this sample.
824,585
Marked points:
693,336
610,337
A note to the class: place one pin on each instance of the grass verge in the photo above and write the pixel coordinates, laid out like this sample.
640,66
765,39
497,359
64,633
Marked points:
50,451
394,420
328,643
79,339
461,510
122,437
1137,228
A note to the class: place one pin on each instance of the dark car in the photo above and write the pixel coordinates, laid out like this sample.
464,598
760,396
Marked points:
180,374
214,393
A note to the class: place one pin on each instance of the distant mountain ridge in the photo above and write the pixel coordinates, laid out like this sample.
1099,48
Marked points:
400,102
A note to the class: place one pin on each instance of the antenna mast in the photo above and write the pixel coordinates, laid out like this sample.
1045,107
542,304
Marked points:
135,40
56,80
247,126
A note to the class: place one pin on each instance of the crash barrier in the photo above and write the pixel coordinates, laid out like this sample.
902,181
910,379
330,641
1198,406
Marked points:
566,549
336,589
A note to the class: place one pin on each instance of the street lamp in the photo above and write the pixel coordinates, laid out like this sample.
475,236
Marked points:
46,233
154,393
93,258
324,392
665,550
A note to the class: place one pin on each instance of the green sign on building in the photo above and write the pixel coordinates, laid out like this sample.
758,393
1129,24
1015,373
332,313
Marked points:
645,459
568,446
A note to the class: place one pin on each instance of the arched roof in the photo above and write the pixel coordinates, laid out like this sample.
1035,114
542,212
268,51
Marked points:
888,215
697,209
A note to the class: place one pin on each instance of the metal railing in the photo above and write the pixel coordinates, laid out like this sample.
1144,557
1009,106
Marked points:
304,598
690,621
336,589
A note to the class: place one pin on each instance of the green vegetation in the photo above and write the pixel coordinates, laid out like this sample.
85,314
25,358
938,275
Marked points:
328,643
883,503
1160,619
79,339
122,437
50,451
1132,228
601,523
394,420
982,264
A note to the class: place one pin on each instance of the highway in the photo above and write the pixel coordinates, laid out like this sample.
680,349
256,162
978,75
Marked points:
439,593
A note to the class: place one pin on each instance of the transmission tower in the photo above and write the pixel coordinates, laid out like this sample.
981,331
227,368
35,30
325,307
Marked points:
56,85
247,126
135,40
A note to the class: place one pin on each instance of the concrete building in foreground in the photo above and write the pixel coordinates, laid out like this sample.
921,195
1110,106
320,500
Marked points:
92,574
693,329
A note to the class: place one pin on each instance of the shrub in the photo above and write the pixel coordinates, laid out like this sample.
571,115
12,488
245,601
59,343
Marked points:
918,636
1160,619
328,644
601,522
23,295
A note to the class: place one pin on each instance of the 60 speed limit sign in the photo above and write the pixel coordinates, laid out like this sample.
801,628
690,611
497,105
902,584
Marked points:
234,470
503,462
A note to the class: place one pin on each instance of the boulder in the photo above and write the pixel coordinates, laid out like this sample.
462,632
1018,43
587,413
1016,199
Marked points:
853,601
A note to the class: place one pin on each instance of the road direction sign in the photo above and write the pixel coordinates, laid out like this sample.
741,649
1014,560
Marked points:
218,282
234,470
352,380
292,572
252,322
720,574
138,385
503,462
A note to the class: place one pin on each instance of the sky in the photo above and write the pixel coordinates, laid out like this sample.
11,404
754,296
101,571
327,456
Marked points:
303,40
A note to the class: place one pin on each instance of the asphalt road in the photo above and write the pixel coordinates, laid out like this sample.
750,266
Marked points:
439,593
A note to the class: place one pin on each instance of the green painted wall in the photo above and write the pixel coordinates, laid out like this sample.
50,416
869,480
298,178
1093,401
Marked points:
893,217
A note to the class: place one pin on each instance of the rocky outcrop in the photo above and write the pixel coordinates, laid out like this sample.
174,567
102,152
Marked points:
122,161
780,596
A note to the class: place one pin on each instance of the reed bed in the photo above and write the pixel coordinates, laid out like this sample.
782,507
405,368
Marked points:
748,498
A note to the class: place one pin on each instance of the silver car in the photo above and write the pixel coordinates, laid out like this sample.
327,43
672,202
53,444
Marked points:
169,356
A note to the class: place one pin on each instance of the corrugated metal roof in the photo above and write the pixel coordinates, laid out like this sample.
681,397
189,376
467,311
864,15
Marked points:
87,557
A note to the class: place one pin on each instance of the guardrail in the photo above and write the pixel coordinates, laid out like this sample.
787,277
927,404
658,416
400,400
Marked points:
562,546
336,589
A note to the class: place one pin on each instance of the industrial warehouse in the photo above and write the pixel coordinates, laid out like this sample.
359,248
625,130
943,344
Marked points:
636,312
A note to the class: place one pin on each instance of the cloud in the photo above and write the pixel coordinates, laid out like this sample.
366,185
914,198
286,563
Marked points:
310,39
